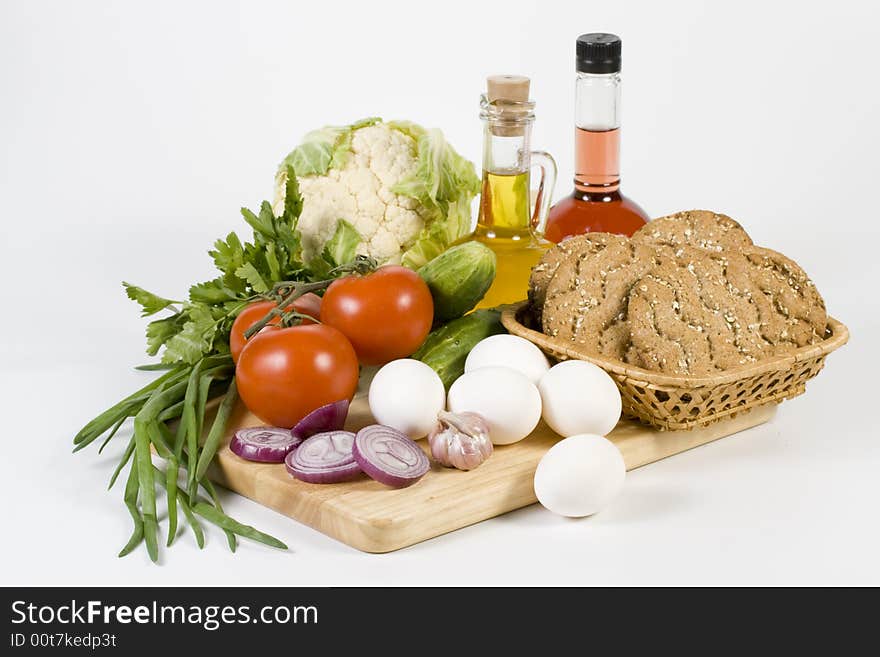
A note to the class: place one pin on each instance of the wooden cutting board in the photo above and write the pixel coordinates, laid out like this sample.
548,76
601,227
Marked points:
374,518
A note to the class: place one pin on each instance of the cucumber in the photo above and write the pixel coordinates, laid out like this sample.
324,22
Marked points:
458,278
446,348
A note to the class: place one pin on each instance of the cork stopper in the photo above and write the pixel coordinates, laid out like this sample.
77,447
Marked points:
508,89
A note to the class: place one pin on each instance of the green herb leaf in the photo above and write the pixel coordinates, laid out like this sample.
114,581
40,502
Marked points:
293,202
288,238
228,254
272,262
194,340
267,218
150,303
159,331
250,274
211,292
264,223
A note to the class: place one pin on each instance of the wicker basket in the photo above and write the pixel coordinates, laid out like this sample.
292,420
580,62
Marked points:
683,402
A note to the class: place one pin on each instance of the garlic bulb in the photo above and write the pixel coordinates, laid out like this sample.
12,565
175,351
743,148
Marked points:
460,440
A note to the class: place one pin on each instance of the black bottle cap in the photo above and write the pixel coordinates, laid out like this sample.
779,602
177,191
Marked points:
598,52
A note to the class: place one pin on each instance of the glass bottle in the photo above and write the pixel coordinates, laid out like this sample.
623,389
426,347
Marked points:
596,203
507,224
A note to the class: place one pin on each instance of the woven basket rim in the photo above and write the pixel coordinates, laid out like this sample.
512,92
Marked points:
838,335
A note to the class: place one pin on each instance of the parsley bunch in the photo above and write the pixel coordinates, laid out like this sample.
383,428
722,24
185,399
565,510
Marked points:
171,414
200,326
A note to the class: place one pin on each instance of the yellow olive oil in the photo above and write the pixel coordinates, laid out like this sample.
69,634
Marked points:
504,203
504,225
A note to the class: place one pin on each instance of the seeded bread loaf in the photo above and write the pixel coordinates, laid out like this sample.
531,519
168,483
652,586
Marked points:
701,229
586,300
689,294
686,317
791,310
572,247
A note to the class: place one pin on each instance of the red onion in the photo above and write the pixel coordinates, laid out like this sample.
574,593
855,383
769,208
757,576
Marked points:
325,458
263,444
389,456
330,417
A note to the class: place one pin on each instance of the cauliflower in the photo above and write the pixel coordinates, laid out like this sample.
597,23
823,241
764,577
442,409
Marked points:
393,191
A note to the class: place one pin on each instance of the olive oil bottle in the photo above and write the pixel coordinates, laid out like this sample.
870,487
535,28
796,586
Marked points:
507,224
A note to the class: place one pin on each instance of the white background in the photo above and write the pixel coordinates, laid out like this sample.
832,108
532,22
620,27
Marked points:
131,133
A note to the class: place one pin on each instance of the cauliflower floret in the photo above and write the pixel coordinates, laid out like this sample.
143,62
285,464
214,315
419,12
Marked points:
360,192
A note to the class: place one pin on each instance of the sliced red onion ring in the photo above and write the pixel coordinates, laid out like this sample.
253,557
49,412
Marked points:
325,458
389,456
330,417
263,444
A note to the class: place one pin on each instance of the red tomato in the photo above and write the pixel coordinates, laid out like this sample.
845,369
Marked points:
289,372
386,314
308,304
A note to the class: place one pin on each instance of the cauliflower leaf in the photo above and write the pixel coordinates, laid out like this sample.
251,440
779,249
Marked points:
324,149
342,247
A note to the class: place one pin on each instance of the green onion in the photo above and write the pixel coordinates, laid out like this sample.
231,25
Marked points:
124,408
212,442
130,498
220,519
144,466
155,367
126,455
230,537
171,487
187,511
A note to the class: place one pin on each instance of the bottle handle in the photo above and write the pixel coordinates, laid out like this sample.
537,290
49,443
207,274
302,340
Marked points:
544,161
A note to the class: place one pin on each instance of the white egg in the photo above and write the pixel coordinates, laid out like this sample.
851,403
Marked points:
508,351
579,397
507,400
407,394
579,476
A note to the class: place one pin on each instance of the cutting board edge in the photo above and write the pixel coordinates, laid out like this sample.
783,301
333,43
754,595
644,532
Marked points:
378,535
366,534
